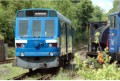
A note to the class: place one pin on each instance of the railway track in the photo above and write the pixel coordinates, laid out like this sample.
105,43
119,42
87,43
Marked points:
7,61
27,74
46,77
46,74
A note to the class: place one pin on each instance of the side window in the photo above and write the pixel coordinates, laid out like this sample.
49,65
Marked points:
20,14
113,22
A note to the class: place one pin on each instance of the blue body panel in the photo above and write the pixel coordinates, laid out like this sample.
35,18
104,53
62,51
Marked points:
37,54
43,50
113,41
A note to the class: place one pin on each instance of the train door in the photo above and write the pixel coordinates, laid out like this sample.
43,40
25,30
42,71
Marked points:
113,34
63,38
66,36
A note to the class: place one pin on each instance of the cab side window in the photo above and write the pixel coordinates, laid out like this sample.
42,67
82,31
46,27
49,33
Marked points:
113,22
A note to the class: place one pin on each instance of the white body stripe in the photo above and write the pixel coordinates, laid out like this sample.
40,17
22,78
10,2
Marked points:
20,41
51,41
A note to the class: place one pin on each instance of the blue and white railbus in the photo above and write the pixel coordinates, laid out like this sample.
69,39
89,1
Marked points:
43,38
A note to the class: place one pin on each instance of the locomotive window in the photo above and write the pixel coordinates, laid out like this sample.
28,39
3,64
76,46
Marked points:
53,14
36,13
20,14
49,28
36,28
23,28
113,22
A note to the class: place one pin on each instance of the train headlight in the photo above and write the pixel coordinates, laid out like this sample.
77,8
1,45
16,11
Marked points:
22,54
51,54
112,34
22,45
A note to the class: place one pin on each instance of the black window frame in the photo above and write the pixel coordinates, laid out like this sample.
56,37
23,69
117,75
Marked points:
113,20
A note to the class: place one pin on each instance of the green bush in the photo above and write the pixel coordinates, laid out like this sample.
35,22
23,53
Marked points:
1,37
90,69
11,52
107,72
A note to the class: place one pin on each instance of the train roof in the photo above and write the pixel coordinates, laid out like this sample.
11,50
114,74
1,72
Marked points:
60,16
115,13
36,9
63,18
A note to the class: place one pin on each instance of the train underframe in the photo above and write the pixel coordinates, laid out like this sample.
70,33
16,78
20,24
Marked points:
97,47
43,62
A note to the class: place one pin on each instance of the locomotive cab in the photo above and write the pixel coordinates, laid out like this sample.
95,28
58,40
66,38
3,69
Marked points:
112,41
114,36
93,28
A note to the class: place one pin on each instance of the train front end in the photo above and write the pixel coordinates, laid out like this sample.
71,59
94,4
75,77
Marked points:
36,39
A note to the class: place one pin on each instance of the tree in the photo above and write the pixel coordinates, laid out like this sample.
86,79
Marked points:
84,10
78,11
116,7
83,13
97,14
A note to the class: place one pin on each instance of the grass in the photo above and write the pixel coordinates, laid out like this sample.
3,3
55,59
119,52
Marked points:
7,72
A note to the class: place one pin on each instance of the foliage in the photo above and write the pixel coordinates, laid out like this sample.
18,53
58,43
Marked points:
80,12
91,69
11,52
103,73
68,8
105,17
97,14
63,75
1,37
116,7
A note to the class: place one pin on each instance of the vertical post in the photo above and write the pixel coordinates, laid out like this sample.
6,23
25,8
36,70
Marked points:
88,35
6,50
2,55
